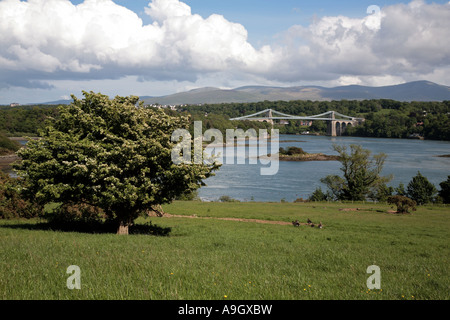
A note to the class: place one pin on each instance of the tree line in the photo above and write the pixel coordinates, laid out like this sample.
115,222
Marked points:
25,120
7,146
384,118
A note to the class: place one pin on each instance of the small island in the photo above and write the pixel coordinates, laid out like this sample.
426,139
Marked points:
298,154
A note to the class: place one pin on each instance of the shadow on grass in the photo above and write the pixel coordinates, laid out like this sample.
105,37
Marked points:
92,228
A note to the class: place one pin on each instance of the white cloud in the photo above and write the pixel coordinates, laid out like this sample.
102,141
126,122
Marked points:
161,10
43,41
400,41
55,36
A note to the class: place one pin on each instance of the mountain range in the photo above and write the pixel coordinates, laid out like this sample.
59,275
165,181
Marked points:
410,91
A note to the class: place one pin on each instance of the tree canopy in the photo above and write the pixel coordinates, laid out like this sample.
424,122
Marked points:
444,193
421,190
361,174
110,153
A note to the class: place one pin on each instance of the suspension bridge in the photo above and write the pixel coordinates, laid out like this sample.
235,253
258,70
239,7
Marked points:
336,122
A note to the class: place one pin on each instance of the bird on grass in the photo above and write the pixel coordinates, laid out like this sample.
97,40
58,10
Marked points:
296,223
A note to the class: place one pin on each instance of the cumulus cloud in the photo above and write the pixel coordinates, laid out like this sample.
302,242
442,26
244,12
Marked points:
161,10
99,38
400,40
47,40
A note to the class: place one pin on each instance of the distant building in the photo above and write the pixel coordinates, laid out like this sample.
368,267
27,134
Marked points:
159,106
14,104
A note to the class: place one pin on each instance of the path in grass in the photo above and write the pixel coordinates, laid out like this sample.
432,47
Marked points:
284,223
167,215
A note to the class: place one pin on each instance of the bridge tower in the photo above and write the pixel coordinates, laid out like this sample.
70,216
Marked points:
331,125
269,117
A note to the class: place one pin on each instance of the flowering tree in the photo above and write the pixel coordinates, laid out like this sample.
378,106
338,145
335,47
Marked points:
112,154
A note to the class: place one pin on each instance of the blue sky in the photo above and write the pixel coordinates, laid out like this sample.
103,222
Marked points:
50,49
265,18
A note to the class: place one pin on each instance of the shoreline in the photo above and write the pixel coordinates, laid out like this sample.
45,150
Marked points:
309,157
6,161
302,158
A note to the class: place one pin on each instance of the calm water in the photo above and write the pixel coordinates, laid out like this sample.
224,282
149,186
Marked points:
299,179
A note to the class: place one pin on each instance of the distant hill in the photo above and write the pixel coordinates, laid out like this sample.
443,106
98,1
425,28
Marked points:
411,91
58,102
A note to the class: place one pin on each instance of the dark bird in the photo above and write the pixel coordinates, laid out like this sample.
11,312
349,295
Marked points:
296,223
309,221
320,225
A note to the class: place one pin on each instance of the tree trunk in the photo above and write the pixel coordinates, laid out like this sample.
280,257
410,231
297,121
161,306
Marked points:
158,210
123,227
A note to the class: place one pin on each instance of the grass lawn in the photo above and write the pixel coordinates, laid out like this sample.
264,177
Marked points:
211,259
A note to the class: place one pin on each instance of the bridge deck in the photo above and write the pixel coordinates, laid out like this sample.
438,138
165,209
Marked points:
335,125
293,118
282,116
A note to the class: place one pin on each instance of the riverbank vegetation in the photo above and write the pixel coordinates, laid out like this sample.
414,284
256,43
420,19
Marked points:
384,118
25,120
7,146
360,180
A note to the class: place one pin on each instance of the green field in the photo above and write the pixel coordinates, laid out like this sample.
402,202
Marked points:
212,259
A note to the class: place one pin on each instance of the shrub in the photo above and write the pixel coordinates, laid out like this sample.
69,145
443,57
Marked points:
7,145
444,193
291,151
227,199
12,204
404,204
400,190
78,217
318,195
381,192
189,196
301,200
421,190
